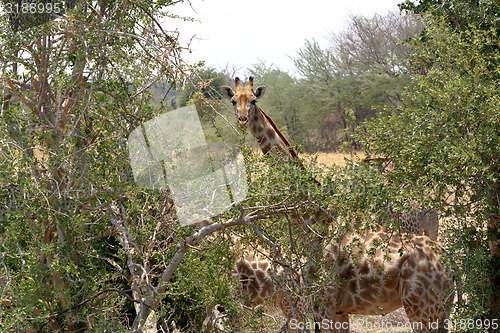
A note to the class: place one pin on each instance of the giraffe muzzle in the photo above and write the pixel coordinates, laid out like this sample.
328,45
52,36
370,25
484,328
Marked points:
242,122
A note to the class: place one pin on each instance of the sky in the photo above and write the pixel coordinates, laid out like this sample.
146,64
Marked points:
237,34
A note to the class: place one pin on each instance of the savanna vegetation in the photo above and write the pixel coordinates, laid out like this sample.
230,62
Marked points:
84,248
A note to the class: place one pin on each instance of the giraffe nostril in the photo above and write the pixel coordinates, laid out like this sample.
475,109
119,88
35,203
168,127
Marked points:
242,119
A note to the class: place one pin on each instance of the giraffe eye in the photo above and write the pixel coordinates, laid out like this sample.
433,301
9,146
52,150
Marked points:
233,101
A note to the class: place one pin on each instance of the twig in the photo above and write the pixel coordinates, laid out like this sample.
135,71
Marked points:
122,292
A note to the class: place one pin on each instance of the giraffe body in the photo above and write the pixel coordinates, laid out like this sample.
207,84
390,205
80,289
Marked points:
424,222
377,272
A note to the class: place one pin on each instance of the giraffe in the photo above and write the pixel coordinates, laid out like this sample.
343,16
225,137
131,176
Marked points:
376,272
419,222
360,283
262,126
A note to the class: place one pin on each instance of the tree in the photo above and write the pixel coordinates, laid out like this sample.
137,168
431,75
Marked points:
83,247
362,70
444,142
459,14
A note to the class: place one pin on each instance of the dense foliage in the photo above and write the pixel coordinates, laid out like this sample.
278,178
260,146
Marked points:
444,143
83,247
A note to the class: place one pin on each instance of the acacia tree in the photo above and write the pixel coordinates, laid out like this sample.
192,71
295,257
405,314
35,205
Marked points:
444,142
83,247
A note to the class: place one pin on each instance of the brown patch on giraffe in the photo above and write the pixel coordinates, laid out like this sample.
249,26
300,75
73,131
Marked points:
242,267
252,292
263,265
253,127
426,282
419,290
353,286
420,255
243,99
423,268
270,133
347,273
391,279
438,283
407,273
364,268
412,299
261,276
368,283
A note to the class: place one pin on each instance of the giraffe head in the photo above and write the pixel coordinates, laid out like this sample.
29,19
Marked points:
243,99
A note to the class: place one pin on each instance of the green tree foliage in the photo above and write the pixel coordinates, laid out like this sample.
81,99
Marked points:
444,142
83,247
361,71
205,84
459,14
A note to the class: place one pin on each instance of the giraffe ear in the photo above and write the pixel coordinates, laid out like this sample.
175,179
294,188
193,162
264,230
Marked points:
259,92
227,92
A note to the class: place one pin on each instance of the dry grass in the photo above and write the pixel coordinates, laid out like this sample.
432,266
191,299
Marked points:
329,159
394,322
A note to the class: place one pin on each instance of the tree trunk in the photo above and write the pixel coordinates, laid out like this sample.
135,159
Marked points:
145,321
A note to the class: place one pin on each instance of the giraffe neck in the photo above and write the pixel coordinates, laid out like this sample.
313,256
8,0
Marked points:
268,135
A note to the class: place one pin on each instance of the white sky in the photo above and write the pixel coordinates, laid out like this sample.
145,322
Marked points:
237,34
